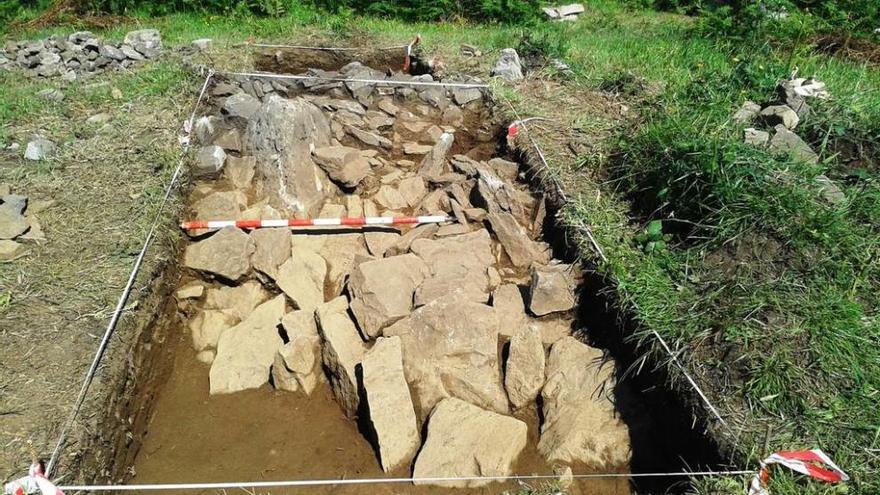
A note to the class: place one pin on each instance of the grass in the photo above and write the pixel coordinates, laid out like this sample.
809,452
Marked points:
768,291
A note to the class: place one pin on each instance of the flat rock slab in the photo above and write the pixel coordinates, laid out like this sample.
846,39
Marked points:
450,349
246,351
390,406
464,441
458,264
581,425
525,367
382,290
552,289
302,278
343,349
226,254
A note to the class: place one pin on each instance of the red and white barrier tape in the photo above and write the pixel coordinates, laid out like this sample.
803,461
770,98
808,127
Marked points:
813,463
32,483
314,222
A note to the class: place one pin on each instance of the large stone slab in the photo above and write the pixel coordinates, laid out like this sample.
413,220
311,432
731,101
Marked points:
382,291
342,350
271,249
525,367
458,264
581,425
208,326
520,248
302,278
450,349
390,407
226,254
246,351
467,441
281,136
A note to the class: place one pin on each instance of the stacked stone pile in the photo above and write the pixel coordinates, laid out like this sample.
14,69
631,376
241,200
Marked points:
80,54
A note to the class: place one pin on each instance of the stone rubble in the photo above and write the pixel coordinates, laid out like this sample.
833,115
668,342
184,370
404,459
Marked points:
406,327
80,54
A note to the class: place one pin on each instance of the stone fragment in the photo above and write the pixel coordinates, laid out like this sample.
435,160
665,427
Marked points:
525,367
220,205
208,326
552,289
521,250
51,94
202,44
410,148
209,161
387,106
241,106
463,96
297,365
390,407
780,114
229,140
39,149
390,198
412,189
271,250
240,171
239,301
302,279
144,40
450,349
467,441
581,426
747,112
756,137
434,163
368,138
341,251
226,254
344,165
458,267
245,352
382,291
789,143
190,291
379,242
341,352
508,303
405,241
505,169
353,205
508,65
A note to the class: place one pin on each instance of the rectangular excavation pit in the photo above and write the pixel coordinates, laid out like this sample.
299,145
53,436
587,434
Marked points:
284,327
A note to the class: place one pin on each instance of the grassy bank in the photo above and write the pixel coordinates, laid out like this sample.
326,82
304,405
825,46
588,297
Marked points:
767,289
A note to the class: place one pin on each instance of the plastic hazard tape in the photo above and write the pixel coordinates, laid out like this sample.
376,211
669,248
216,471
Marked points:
813,463
316,222
34,482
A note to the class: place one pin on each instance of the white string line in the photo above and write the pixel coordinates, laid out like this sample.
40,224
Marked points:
389,82
598,248
321,48
376,481
123,298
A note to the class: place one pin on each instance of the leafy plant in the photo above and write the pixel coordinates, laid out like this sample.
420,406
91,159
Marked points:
652,239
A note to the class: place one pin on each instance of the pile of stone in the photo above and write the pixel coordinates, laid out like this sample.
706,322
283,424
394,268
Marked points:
781,116
564,13
405,328
79,54
18,223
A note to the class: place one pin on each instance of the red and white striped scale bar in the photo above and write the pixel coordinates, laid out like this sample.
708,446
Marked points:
315,222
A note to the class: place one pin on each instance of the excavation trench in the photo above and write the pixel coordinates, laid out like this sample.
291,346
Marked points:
456,349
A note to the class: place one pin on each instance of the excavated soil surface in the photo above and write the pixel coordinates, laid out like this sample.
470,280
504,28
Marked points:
238,404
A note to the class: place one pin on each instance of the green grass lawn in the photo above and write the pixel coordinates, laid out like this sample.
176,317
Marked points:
769,292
